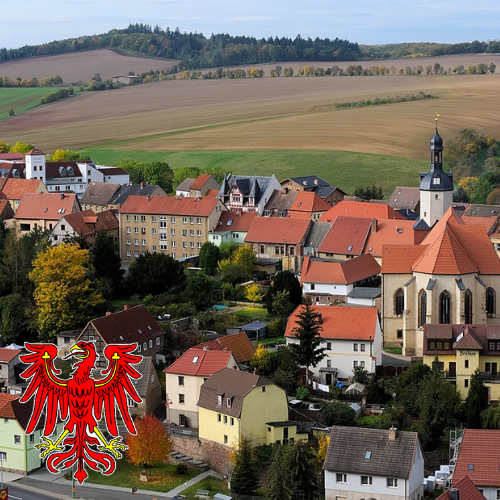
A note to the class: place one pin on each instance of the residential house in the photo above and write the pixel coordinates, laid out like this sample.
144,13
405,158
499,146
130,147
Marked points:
184,378
231,227
18,453
315,184
279,238
452,277
404,199
6,211
365,296
141,189
373,463
183,188
463,489
9,360
126,79
487,216
308,205
239,344
236,405
478,459
44,210
202,185
351,336
148,388
176,226
247,193
326,281
14,189
85,224
280,203
315,237
362,209
461,350
97,196
129,326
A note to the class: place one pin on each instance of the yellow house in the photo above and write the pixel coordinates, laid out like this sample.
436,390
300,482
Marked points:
236,405
461,349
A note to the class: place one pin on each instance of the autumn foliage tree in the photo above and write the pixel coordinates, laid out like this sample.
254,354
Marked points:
65,293
152,443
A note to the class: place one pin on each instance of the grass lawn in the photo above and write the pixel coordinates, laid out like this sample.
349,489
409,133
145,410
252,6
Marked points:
210,483
273,341
21,100
164,477
252,313
345,169
394,350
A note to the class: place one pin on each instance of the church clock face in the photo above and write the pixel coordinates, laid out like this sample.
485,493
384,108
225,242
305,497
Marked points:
436,180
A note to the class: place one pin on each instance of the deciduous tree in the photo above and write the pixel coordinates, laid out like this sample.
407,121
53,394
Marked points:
209,257
65,294
151,445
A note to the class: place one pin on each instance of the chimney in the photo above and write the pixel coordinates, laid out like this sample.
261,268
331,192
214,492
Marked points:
454,494
316,181
108,313
374,226
142,185
125,307
62,196
392,433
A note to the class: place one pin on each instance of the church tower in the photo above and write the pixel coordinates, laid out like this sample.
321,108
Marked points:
35,164
436,186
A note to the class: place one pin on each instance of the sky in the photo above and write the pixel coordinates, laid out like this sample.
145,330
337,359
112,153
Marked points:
33,22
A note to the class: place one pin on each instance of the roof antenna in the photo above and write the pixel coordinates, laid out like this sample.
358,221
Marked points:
436,120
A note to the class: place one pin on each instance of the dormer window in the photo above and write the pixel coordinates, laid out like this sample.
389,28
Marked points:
15,173
62,171
70,171
228,402
219,399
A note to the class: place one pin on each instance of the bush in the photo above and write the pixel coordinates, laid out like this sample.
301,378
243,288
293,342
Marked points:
302,392
276,328
181,468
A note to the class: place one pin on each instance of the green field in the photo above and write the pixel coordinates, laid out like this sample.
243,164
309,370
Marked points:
346,170
21,100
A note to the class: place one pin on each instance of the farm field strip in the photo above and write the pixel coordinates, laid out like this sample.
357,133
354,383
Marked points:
20,99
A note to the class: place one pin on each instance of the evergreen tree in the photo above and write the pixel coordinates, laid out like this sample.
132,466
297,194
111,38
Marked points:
308,330
244,477
279,476
476,402
304,473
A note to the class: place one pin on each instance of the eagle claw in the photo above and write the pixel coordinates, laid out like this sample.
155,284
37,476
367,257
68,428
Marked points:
49,445
113,447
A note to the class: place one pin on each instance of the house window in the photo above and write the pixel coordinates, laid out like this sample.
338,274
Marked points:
129,241
225,439
232,421
172,232
262,249
151,343
491,302
32,438
198,233
341,478
468,307
17,439
366,480
355,364
181,399
219,399
328,363
225,419
136,230
399,302
136,218
191,220
180,380
313,286
493,345
399,334
143,243
329,346
143,218
184,220
127,217
128,230
219,417
191,232
355,347
362,347
136,242
153,218
362,364
157,340
198,220
153,248
145,346
392,482
129,253
466,383
3,456
184,232
445,308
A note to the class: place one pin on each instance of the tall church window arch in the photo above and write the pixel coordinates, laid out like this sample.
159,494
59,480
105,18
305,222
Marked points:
468,316
399,302
445,308
491,302
422,308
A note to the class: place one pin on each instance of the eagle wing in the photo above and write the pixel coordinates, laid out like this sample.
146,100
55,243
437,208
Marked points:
45,386
116,383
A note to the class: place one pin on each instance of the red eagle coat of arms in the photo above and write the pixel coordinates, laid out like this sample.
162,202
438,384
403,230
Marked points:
82,401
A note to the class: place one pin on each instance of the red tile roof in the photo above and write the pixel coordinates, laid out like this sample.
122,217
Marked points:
277,230
231,221
46,206
200,362
347,236
361,209
399,259
404,197
212,193
307,201
11,407
479,458
87,222
170,205
467,491
394,232
200,181
14,189
7,355
11,156
35,152
342,323
468,341
239,344
489,223
347,272
134,324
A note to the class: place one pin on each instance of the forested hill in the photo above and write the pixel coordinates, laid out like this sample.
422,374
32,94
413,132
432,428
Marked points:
195,51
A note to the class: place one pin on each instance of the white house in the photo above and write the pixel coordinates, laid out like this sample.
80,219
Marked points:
351,336
373,464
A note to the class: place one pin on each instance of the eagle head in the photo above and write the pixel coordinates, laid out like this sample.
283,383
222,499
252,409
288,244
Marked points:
85,351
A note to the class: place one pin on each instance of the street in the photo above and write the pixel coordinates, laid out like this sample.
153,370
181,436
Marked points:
41,490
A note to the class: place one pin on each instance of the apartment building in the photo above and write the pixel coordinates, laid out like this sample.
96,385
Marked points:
177,226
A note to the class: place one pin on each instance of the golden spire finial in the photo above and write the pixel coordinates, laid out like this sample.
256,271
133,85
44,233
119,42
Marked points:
437,117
